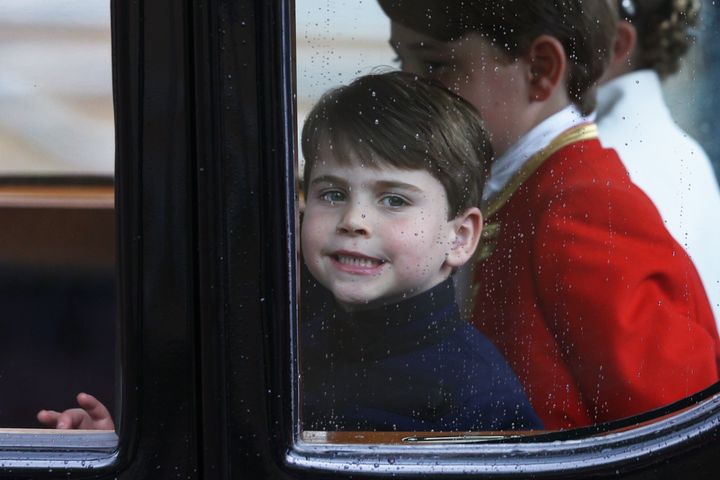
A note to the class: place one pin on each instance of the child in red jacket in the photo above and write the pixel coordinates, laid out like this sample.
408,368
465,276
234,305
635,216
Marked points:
598,310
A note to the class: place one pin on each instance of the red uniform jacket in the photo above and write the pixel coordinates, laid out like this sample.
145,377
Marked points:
597,309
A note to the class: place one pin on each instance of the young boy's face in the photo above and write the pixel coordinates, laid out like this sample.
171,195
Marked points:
373,236
478,72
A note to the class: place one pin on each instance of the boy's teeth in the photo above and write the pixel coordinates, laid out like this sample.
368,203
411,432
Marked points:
357,262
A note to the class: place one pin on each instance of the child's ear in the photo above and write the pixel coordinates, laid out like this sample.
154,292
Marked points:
548,63
465,237
623,50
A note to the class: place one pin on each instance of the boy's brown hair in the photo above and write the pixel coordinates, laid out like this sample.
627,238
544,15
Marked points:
586,29
407,122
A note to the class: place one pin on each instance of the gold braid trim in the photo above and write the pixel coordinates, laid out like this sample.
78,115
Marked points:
586,131
491,230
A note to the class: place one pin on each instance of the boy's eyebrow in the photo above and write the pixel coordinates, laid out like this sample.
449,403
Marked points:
390,184
425,45
380,184
327,179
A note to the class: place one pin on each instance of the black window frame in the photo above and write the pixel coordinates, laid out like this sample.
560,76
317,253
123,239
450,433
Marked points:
205,130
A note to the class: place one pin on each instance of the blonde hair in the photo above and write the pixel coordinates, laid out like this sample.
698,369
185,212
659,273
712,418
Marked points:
664,30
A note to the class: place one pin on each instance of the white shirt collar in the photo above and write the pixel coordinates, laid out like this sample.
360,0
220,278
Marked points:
505,166
632,94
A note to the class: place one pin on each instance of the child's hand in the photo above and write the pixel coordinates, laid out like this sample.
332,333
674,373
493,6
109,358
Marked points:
91,416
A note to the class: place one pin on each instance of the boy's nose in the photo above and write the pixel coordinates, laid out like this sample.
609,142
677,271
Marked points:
354,222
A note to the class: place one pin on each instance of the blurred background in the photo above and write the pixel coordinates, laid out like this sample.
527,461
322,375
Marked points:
56,114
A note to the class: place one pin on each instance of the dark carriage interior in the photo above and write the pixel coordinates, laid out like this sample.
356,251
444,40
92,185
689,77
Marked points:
57,295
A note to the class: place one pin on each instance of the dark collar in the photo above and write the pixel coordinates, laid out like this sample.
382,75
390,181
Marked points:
406,311
388,330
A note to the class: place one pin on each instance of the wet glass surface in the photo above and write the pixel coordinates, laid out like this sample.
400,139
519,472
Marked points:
594,287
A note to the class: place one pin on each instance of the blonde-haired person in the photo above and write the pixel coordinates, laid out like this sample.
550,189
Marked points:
633,118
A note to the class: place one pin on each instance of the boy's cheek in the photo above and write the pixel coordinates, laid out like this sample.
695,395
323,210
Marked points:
312,221
308,241
410,232
314,236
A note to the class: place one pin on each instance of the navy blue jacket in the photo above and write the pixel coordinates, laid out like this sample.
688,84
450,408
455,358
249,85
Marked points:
410,366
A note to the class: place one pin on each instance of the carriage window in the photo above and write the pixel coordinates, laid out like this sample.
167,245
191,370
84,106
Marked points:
57,225
472,266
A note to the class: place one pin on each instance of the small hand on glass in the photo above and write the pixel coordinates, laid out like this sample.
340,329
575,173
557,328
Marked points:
92,415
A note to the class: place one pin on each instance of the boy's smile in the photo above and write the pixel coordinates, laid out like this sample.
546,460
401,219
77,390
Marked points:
356,263
374,235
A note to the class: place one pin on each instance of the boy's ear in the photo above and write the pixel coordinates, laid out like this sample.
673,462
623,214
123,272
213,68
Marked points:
623,50
465,237
548,63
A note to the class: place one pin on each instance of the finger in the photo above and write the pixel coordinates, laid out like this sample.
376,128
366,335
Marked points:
93,406
71,419
86,401
48,417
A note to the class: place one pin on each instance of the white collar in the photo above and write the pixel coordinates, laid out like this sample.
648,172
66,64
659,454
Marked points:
639,88
505,166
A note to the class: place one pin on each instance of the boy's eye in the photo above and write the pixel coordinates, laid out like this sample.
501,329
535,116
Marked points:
333,196
431,68
422,66
393,201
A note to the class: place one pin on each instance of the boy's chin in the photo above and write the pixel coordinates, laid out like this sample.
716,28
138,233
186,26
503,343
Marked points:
351,303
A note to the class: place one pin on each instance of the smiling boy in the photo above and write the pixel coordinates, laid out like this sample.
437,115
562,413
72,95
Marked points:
393,176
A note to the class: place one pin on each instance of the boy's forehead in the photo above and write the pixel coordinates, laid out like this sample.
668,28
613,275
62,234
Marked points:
471,45
345,159
340,156
329,165
405,37
406,40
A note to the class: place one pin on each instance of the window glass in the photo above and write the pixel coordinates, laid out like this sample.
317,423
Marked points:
57,223
590,296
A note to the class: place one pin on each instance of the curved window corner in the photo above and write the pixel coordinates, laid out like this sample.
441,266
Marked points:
622,450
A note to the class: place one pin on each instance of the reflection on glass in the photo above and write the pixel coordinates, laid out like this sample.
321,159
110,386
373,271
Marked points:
57,240
595,306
